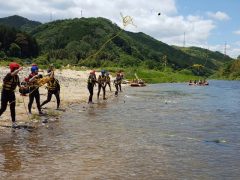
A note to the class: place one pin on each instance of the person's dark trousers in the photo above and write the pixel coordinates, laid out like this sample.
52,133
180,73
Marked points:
99,90
34,93
8,96
120,87
109,84
49,97
90,89
116,92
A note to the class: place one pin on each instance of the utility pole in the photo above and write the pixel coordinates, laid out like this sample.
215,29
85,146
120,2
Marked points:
184,42
51,17
81,13
165,62
225,49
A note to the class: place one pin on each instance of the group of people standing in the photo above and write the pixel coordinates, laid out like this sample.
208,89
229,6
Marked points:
30,86
103,81
199,83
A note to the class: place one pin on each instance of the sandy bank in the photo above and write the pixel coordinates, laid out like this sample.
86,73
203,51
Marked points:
73,90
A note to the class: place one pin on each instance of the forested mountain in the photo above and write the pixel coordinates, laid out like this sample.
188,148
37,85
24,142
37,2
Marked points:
19,23
90,42
77,39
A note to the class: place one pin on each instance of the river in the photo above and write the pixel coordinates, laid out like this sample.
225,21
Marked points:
161,131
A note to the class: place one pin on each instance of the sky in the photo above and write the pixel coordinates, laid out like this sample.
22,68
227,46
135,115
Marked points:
210,24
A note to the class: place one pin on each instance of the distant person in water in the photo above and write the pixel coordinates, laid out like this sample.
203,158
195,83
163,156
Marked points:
102,84
205,82
117,83
108,81
190,83
120,76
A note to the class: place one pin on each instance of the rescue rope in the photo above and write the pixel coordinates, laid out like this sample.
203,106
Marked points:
126,20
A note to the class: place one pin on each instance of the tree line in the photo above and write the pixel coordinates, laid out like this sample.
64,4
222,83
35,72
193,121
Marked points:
15,43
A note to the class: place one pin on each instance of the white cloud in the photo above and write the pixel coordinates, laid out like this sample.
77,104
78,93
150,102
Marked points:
233,50
166,27
237,32
218,15
169,27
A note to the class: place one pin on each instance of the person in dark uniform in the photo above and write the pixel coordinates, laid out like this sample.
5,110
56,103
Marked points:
34,89
53,87
10,82
90,85
117,83
108,80
120,83
102,84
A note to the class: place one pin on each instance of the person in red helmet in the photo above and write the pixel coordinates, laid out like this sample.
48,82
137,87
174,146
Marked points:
91,83
10,82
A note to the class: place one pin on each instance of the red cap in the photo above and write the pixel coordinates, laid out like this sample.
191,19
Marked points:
13,66
92,72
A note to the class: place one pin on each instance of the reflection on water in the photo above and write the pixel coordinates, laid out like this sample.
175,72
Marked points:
10,158
162,131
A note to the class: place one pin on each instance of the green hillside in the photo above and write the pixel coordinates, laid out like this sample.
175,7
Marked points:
74,40
19,23
97,42
230,70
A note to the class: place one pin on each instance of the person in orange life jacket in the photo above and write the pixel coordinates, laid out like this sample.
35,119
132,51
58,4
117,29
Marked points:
102,84
108,80
90,85
53,87
34,88
117,83
10,82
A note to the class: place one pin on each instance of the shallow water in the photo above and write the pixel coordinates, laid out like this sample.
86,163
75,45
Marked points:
161,131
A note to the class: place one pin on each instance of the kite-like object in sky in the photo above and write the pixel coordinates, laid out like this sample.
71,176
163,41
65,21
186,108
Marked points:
127,20
159,14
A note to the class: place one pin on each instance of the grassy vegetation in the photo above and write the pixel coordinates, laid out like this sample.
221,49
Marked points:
154,76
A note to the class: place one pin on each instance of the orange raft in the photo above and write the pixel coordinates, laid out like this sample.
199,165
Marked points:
137,83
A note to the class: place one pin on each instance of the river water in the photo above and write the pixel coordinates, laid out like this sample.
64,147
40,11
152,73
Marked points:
161,131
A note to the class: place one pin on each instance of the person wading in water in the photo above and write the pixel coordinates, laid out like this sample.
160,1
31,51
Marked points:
34,89
117,83
53,87
90,85
10,82
102,84
108,80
